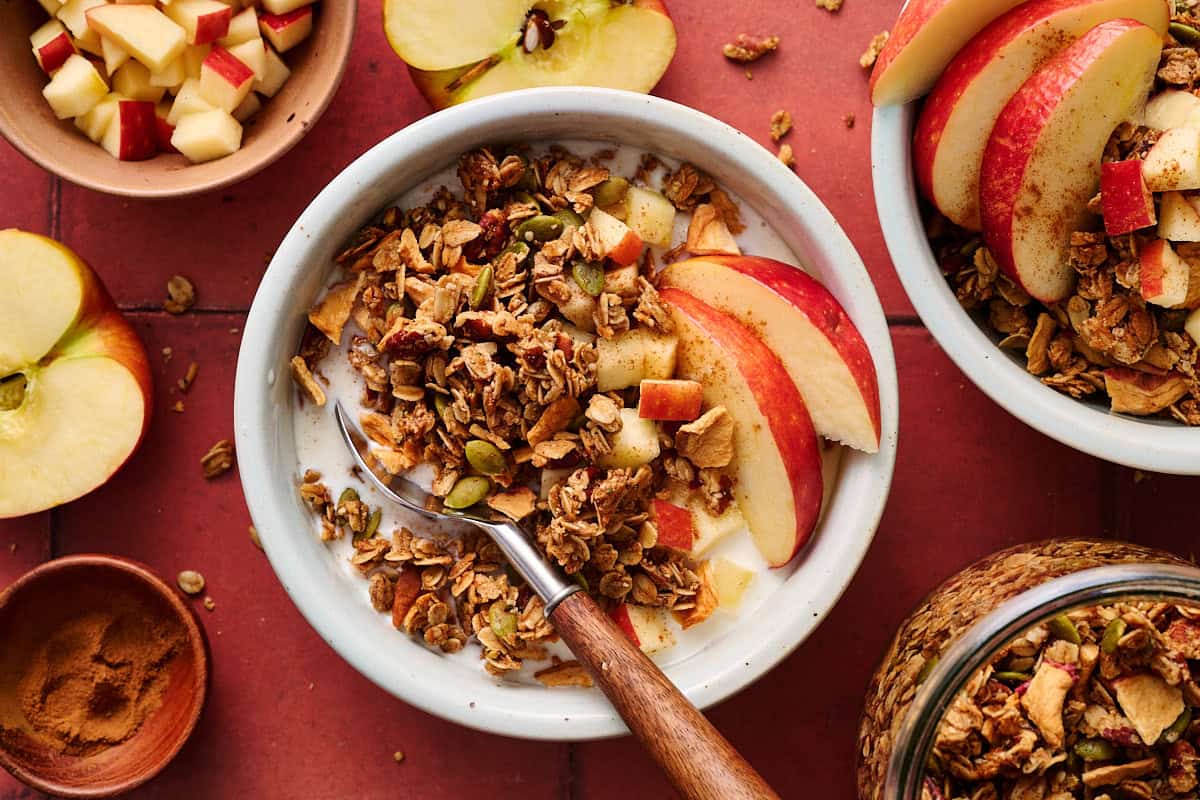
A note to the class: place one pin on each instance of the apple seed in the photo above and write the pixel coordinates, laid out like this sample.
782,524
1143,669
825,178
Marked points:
12,391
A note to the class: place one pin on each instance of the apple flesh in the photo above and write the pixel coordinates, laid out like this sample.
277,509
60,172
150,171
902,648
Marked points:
224,79
51,46
928,34
94,124
635,444
189,100
285,31
132,132
1165,275
113,54
242,28
132,80
75,88
614,239
1173,163
147,33
1042,162
650,215
807,328
631,357
776,451
1178,218
1127,204
959,114
274,76
676,528
670,400
730,581
254,55
204,21
206,135
85,401
713,529
1173,108
645,627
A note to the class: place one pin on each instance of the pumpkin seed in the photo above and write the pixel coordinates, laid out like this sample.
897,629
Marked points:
1012,677
1112,634
569,218
1095,750
503,621
482,287
520,249
970,247
346,496
1185,34
372,525
541,228
1062,627
1179,727
467,492
441,405
589,275
611,191
529,181
525,198
485,457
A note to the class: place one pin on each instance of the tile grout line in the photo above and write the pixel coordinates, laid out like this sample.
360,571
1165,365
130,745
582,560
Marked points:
568,792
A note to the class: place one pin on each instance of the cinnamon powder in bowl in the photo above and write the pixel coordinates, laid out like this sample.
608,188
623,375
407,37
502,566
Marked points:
102,676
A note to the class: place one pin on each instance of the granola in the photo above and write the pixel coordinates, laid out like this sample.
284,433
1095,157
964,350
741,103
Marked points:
476,325
1107,341
746,48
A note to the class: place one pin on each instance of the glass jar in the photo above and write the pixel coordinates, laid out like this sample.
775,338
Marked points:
959,628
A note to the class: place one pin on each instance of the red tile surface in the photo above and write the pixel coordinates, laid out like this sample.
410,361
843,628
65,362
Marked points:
287,718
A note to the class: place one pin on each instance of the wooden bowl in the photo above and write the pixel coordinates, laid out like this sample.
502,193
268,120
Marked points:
57,145
57,591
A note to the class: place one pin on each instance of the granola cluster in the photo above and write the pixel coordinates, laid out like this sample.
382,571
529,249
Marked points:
476,324
1096,703
1105,339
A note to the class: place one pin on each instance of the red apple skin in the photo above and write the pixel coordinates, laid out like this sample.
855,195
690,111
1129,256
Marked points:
54,53
1152,270
279,22
670,400
620,615
811,298
210,27
139,126
1128,205
228,66
778,400
676,528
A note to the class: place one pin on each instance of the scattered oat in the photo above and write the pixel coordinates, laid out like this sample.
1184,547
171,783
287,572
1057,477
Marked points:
786,155
832,6
746,48
218,460
254,537
178,407
867,59
849,119
190,581
188,378
209,604
398,756
781,124
181,295
166,355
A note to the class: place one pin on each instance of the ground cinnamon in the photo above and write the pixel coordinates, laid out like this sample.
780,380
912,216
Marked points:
92,681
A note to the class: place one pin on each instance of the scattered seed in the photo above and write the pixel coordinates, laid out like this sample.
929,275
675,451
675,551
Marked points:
610,192
1095,750
1184,34
1012,677
541,228
589,275
1178,728
1112,635
178,407
1062,627
209,603
397,756
467,492
181,295
485,457
482,287
348,495
568,218
190,581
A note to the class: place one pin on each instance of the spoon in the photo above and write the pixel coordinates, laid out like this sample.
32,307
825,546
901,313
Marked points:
696,758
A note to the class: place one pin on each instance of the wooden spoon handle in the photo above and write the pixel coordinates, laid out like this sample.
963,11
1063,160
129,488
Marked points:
697,759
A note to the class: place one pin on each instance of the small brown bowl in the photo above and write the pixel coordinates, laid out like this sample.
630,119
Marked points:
57,145
57,591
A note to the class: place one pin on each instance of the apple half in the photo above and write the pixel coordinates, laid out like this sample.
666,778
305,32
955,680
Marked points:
595,43
1042,162
777,457
959,114
807,328
75,387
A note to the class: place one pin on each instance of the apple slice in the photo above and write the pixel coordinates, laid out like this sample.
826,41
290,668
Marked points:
928,34
132,132
275,75
75,88
188,101
618,46
650,215
147,33
1127,204
1178,218
960,112
224,79
730,581
242,28
676,528
631,357
777,457
94,123
76,380
206,135
808,329
635,444
1042,163
670,400
285,31
203,20
51,46
1165,275
645,627
615,240
1173,108
1173,163
133,81
254,55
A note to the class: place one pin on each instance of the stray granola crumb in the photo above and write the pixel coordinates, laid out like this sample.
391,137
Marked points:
209,604
786,155
746,48
190,581
178,407
749,75
181,295
869,56
218,460
306,381
832,6
781,124
398,756
254,537
166,355
849,119
188,378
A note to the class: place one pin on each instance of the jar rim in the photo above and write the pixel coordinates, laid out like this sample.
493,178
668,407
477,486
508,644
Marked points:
975,648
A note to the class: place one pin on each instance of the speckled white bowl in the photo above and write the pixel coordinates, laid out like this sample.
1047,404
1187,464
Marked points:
335,602
1152,445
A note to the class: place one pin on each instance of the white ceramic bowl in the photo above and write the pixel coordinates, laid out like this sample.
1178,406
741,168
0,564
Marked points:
1152,445
335,602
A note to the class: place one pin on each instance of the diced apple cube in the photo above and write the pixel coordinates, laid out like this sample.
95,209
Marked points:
1164,274
651,216
51,6
285,31
147,33
94,123
193,59
1173,163
131,132
75,89
274,77
203,20
623,281
730,581
712,529
671,400
247,108
163,130
188,101
242,28
133,81
73,14
614,239
1173,109
171,77
284,6
51,45
631,357
207,135
1126,202
634,445
254,55
675,525
113,54
644,626
224,79
1178,218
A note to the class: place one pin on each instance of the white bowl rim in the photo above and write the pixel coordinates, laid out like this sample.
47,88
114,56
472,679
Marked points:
1139,444
759,644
